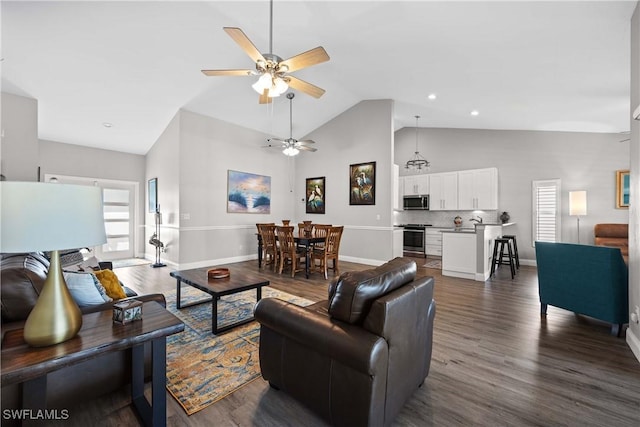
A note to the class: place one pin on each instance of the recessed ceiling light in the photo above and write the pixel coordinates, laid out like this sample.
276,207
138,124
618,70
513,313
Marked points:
475,112
107,124
432,96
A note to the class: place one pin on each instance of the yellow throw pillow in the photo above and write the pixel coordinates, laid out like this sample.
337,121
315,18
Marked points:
111,283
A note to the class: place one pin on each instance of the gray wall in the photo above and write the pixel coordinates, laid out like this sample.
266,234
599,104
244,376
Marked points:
364,133
163,163
583,161
19,148
633,333
75,160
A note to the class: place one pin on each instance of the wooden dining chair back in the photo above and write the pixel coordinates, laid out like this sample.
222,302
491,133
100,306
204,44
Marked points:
305,229
269,244
289,251
329,251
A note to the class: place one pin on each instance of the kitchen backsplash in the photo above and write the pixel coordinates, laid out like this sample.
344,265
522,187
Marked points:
445,218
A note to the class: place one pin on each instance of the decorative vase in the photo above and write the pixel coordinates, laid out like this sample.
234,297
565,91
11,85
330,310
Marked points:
505,217
457,221
55,318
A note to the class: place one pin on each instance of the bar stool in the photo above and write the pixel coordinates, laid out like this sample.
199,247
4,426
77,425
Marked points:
512,237
500,257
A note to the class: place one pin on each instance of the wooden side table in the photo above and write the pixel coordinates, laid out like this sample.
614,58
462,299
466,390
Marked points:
99,335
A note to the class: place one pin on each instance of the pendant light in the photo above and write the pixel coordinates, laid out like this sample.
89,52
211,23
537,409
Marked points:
417,162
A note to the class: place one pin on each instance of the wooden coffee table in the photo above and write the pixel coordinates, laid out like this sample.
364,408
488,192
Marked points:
238,281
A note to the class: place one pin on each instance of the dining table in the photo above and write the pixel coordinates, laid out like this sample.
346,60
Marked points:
306,241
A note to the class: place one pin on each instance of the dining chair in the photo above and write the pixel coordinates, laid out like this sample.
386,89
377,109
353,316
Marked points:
305,229
289,251
329,251
269,244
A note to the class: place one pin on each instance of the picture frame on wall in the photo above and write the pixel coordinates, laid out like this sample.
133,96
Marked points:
152,189
315,190
248,193
622,189
362,183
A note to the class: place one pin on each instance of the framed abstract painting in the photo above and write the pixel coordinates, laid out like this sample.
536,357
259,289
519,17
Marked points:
248,193
315,195
362,184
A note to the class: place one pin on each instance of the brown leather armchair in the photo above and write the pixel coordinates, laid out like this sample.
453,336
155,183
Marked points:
613,235
356,358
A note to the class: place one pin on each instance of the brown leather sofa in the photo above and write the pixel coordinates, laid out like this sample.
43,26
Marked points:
21,279
356,358
613,235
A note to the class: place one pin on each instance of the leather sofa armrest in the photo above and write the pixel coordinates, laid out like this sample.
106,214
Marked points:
109,305
348,344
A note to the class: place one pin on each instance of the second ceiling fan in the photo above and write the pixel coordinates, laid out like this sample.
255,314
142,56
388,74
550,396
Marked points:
273,71
291,146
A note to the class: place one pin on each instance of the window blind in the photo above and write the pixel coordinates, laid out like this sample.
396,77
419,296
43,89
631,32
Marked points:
546,207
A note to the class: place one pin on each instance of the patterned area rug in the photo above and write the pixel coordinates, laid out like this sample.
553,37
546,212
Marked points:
434,263
202,368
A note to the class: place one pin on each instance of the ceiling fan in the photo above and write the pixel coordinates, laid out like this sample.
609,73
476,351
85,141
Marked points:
273,71
291,146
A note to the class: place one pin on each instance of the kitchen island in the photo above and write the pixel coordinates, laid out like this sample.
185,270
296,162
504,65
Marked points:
467,252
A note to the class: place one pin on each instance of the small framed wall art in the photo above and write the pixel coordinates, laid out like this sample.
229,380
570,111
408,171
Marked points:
622,189
362,184
315,195
152,189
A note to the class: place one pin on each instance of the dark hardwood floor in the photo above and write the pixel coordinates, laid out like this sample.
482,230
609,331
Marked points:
495,362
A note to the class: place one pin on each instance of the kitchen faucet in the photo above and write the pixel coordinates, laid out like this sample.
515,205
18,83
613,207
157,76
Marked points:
479,220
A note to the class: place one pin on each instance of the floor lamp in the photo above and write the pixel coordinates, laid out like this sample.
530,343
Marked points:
578,206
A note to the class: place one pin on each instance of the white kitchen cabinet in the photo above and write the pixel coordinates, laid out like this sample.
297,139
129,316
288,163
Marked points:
443,191
416,185
478,189
459,254
433,241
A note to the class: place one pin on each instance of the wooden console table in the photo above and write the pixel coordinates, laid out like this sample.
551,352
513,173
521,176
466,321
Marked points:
99,335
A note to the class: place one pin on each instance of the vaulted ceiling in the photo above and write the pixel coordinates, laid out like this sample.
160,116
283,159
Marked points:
560,65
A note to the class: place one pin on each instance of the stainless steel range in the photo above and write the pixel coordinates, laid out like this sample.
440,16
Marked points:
414,239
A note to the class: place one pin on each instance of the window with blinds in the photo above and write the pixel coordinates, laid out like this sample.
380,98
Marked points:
546,210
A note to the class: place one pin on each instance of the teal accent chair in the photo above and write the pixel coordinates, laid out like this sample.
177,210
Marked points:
588,280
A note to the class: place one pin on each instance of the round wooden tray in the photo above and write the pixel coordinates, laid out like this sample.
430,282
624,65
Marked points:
218,273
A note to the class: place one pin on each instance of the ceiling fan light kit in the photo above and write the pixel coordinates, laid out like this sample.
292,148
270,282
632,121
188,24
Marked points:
274,79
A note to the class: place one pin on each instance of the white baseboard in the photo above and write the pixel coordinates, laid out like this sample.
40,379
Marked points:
365,261
634,343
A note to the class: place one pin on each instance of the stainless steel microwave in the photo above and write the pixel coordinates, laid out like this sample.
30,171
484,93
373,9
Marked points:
417,203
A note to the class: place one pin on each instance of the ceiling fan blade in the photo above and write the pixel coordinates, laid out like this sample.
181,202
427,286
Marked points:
306,141
305,148
272,146
243,41
305,59
276,139
305,87
264,98
227,72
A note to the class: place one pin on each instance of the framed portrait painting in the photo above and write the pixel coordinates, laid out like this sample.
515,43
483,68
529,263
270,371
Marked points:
362,184
152,189
248,193
622,189
315,195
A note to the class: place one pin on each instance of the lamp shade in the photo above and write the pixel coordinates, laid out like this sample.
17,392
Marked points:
577,203
36,216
